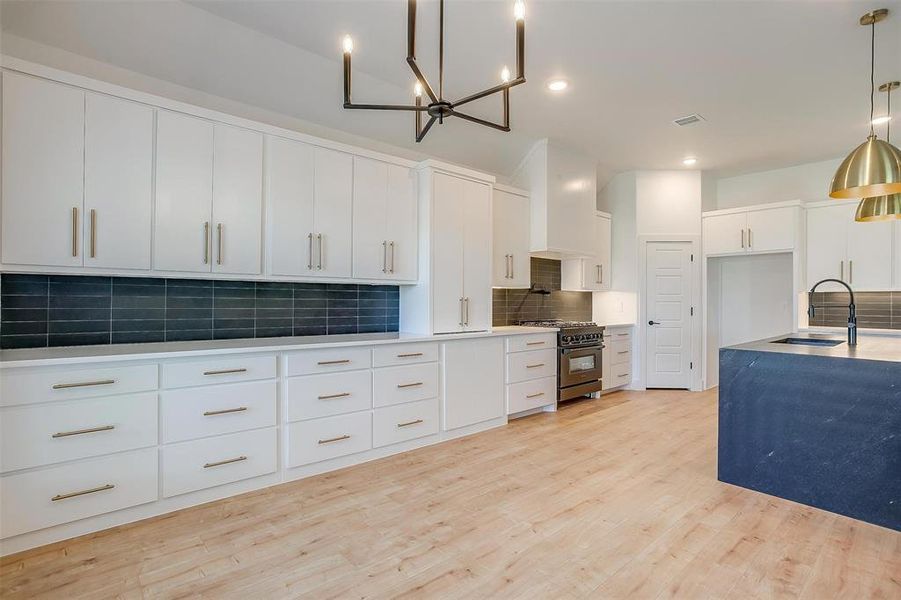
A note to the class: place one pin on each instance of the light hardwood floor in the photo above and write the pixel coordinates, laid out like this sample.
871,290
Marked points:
616,498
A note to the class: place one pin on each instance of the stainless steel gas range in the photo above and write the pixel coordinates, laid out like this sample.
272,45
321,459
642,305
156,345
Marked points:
579,347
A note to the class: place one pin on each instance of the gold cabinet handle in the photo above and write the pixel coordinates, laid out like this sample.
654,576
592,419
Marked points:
623,352
334,439
93,233
408,423
742,239
74,231
391,245
224,411
841,269
623,375
102,488
535,343
850,271
750,243
409,355
535,395
226,371
219,232
622,334
535,366
384,257
512,272
343,361
66,386
331,396
319,265
466,305
602,274
310,261
461,313
227,461
206,242
63,434
409,385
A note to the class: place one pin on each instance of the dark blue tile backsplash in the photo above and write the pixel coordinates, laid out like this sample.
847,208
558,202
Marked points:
55,310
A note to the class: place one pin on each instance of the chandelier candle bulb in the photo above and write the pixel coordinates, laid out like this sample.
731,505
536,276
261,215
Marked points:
505,74
519,10
348,44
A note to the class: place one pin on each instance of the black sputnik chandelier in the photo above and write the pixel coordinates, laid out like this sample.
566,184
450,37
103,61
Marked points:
439,108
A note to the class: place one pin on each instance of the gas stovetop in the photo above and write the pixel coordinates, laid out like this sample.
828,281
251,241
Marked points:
556,323
572,334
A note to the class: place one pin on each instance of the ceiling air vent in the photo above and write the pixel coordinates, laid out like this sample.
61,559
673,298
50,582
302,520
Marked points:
688,120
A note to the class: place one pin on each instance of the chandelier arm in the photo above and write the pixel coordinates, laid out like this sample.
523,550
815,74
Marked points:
387,107
411,60
425,130
492,90
411,50
441,50
473,119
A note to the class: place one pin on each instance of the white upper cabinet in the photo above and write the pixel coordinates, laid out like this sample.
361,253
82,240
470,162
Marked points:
332,212
237,200
184,192
754,230
384,221
592,273
43,172
477,255
827,228
510,257
869,254
118,179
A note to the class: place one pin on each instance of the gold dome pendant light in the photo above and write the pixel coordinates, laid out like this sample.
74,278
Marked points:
873,168
882,208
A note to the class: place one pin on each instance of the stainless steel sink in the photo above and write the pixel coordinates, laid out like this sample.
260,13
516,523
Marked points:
808,342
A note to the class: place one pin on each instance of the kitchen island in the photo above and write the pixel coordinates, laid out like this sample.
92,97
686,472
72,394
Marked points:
820,425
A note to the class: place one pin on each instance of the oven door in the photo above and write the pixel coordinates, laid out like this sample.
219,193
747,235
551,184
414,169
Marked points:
580,365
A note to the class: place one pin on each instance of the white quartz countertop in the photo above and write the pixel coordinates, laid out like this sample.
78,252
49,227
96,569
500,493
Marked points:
34,357
869,347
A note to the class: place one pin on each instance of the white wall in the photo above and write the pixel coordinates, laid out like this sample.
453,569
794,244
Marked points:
807,182
668,202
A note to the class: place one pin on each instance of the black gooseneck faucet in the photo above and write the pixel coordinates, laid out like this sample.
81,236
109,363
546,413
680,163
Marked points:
852,309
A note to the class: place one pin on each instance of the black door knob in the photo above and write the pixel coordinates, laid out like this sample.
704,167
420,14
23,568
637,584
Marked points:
653,322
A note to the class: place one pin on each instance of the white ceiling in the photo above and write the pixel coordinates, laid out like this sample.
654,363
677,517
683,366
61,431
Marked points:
779,83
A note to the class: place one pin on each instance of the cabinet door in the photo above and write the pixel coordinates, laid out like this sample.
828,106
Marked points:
725,234
510,254
184,193
237,200
403,224
447,253
604,240
827,233
869,254
43,172
477,255
772,229
118,183
332,212
289,206
473,382
370,237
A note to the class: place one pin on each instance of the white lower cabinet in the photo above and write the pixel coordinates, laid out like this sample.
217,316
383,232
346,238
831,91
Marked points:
528,395
32,386
331,437
403,422
192,413
616,358
473,382
396,385
522,366
531,373
206,463
61,494
316,396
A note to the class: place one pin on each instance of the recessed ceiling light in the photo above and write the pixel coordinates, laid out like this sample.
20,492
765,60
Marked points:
689,161
557,85
881,120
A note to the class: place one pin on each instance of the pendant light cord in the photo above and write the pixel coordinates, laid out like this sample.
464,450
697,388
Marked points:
872,75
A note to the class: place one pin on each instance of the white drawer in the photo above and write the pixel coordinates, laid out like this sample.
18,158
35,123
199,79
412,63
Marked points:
620,375
403,354
620,351
194,413
39,499
33,436
328,360
527,395
30,386
617,334
331,437
523,366
535,341
404,422
316,396
405,384
201,464
228,369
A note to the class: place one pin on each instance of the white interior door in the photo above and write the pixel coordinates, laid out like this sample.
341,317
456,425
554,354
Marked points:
43,172
289,206
477,255
668,310
118,181
333,192
237,200
447,253
403,224
370,243
184,193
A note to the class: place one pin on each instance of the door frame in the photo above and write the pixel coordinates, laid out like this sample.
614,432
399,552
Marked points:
696,320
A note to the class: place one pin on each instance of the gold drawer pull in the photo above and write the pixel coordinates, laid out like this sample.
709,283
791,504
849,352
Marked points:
409,355
224,462
535,343
623,375
224,411
63,434
65,386
330,396
335,439
622,334
408,423
102,488
334,362
535,395
623,352
409,385
225,371
534,366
